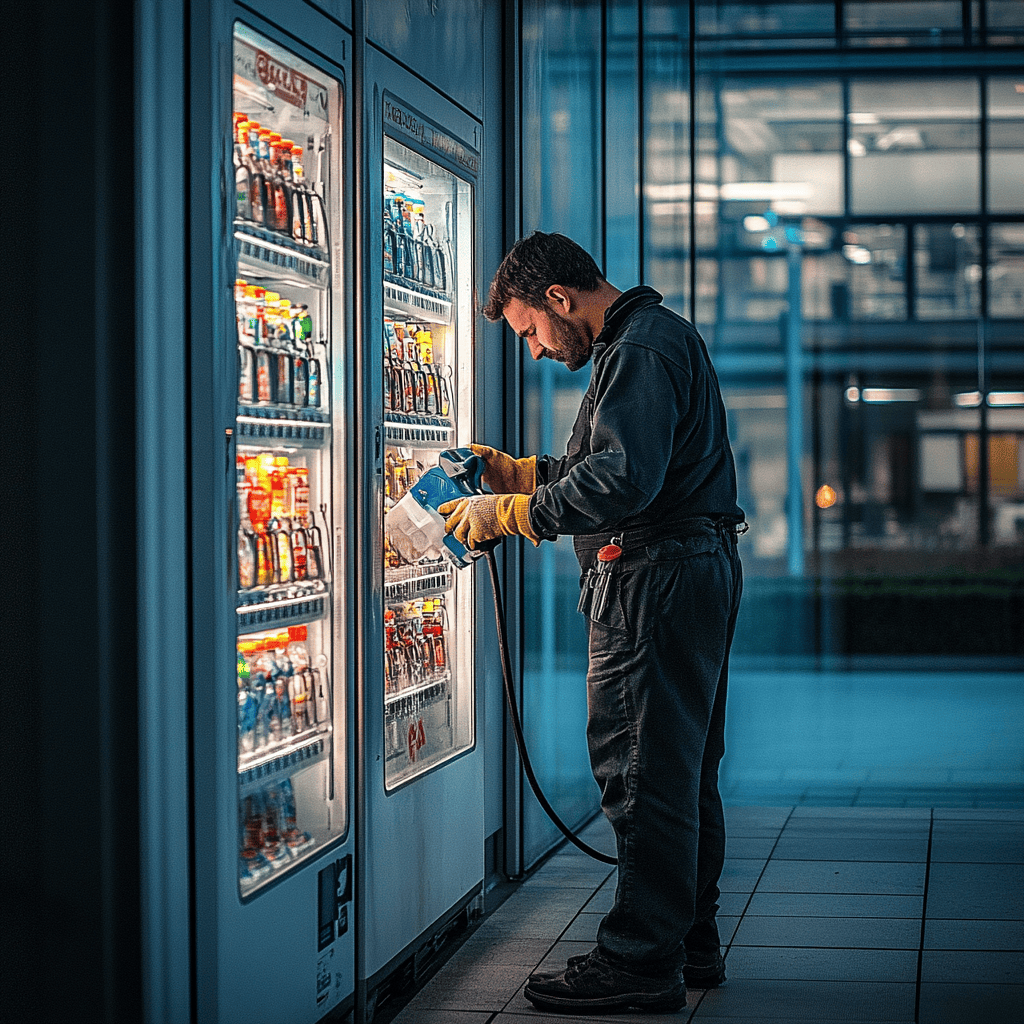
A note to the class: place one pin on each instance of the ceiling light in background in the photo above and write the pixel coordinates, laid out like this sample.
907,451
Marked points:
967,399
884,395
1004,398
771,401
996,399
765,191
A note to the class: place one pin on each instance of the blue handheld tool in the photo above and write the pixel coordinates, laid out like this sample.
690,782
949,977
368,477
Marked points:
458,474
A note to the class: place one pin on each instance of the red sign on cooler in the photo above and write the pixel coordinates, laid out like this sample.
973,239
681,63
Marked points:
417,739
282,81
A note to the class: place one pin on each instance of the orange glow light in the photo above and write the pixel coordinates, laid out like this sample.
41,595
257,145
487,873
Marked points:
825,497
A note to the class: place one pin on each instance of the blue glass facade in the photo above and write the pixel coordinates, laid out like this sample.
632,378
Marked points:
833,194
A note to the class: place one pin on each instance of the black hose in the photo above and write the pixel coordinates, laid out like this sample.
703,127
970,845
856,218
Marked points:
517,725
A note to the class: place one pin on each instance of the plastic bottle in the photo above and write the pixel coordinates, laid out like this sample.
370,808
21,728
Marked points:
259,515
295,837
314,550
300,492
243,169
274,849
299,542
302,326
313,383
264,467
261,685
278,474
298,657
248,704
440,270
283,706
248,557
246,374
298,652
280,185
257,329
253,828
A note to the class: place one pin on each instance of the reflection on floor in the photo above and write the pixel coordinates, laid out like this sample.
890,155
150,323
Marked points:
875,739
829,914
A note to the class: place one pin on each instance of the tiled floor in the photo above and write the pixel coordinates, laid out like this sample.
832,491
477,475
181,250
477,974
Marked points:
829,914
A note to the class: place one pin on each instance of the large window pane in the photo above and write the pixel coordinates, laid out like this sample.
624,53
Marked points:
622,156
876,258
667,152
745,26
914,146
947,270
1006,271
787,135
904,546
914,23
1006,144
561,140
1004,22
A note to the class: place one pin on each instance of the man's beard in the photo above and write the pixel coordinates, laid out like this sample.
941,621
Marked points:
572,344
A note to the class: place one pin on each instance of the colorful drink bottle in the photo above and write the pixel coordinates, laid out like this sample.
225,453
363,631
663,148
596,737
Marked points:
248,557
300,492
314,552
243,169
298,538
313,383
282,552
300,380
247,708
246,374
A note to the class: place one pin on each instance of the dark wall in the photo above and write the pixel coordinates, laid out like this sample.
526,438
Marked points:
70,923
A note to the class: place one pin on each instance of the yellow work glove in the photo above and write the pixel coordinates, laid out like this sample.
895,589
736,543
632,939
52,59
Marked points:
505,475
484,517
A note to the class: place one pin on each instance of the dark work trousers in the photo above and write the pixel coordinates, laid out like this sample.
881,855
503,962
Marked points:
656,689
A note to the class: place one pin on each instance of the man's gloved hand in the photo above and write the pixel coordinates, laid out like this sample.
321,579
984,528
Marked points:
484,517
505,475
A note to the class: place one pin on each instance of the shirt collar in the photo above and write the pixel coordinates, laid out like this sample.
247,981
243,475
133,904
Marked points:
628,303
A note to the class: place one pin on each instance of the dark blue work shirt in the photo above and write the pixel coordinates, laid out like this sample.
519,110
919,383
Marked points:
650,443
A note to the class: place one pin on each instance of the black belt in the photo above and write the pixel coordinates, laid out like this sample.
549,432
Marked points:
641,536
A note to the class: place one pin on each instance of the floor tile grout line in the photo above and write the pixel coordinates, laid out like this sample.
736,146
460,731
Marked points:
746,906
558,938
924,919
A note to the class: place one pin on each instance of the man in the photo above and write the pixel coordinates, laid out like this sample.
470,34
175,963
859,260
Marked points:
648,467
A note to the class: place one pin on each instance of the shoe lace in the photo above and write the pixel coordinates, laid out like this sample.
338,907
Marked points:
576,965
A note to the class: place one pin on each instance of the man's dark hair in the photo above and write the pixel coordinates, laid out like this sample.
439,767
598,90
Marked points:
535,263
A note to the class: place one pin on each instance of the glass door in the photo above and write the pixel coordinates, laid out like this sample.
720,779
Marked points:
287,169
427,354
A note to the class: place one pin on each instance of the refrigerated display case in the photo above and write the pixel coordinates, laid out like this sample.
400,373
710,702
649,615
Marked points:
422,841
286,160
272,714
427,357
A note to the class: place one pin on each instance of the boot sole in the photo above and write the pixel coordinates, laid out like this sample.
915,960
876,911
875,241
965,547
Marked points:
609,1004
704,981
